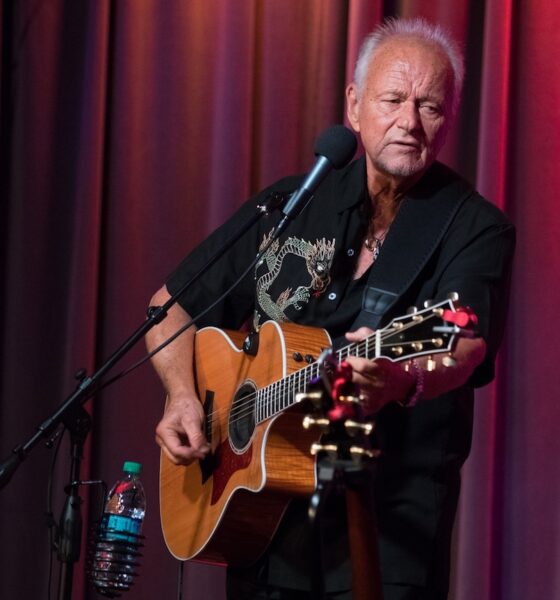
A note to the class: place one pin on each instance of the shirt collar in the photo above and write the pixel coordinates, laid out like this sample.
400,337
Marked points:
352,185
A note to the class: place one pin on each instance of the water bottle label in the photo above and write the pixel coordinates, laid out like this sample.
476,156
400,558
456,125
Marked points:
122,524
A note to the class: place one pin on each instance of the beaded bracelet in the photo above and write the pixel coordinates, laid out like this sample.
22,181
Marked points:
418,373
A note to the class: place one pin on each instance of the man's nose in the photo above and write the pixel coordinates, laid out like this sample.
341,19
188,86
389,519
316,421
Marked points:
409,117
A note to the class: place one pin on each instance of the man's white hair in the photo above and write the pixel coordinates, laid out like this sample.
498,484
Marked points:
417,28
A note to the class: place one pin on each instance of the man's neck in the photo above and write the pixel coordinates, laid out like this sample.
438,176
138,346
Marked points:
386,192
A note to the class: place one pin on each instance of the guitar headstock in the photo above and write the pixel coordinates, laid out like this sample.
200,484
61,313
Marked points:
431,330
338,412
337,406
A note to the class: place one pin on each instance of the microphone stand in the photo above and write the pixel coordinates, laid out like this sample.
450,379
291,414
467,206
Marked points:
344,462
77,420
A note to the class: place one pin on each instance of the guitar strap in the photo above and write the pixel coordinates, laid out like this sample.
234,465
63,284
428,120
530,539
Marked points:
418,229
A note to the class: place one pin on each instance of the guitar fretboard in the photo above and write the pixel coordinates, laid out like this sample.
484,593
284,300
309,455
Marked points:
276,397
394,342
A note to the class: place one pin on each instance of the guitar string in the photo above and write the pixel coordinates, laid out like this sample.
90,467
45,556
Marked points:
247,406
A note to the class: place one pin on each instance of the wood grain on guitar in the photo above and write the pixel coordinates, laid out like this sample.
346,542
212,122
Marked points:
226,508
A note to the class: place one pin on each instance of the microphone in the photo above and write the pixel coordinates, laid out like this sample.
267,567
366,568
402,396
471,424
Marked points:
334,149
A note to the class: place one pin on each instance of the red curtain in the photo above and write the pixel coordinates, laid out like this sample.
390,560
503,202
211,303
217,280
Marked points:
131,128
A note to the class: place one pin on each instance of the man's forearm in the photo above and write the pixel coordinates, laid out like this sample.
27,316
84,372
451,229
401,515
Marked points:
468,354
173,364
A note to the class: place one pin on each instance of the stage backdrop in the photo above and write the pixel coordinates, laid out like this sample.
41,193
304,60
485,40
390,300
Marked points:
132,128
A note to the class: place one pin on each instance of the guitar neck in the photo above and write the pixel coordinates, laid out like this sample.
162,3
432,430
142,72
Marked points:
421,333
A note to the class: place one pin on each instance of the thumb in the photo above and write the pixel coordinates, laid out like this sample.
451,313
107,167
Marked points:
360,334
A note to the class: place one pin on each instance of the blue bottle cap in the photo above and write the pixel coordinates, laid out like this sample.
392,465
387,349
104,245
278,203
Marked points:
132,467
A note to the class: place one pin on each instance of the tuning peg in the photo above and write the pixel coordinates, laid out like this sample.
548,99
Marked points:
354,426
411,310
428,303
430,364
358,451
316,448
315,397
309,421
453,296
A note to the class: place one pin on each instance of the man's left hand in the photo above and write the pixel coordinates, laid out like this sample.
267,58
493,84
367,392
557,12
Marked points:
381,380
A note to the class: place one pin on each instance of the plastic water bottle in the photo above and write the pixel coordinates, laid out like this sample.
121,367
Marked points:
114,556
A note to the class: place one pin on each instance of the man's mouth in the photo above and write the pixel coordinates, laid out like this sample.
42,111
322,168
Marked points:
409,144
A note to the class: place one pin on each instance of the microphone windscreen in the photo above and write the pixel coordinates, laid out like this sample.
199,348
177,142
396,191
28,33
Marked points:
338,144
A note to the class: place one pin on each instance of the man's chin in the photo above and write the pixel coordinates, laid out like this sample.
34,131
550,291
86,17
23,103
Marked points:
401,168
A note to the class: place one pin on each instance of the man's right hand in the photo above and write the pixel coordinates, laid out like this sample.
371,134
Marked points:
179,433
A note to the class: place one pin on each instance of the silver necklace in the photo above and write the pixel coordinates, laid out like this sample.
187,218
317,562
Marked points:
373,244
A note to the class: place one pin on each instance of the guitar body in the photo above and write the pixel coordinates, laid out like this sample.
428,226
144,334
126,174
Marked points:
226,508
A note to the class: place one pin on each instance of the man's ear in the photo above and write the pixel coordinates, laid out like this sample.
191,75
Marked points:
353,107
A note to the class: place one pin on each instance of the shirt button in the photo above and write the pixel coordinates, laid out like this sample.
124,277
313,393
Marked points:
350,251
332,296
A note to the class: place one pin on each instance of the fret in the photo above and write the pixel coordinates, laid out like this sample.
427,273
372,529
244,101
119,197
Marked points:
277,399
267,401
305,378
280,395
273,400
297,380
260,405
292,388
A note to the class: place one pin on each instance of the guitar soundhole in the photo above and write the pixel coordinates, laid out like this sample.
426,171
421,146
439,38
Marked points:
242,416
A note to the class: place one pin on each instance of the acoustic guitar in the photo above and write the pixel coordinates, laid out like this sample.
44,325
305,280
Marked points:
225,509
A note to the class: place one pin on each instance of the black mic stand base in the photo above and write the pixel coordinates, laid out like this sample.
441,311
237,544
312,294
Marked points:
69,537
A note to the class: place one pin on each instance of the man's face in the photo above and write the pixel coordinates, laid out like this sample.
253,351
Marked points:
403,110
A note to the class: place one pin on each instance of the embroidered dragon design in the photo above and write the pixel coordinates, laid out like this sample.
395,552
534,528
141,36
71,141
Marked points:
318,259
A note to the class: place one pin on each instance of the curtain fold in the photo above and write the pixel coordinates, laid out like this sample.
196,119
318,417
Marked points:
130,129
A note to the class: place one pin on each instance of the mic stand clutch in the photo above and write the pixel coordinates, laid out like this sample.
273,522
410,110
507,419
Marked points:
74,417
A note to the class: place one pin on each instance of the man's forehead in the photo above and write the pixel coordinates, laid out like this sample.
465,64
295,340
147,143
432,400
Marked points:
407,43
401,58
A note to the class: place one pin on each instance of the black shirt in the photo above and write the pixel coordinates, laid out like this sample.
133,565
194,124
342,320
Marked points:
307,278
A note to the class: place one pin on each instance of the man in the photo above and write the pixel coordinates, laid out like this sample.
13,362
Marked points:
364,223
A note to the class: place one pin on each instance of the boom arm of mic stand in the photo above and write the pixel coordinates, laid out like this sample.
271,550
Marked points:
87,385
76,418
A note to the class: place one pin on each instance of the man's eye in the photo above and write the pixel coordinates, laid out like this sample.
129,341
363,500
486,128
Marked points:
430,109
